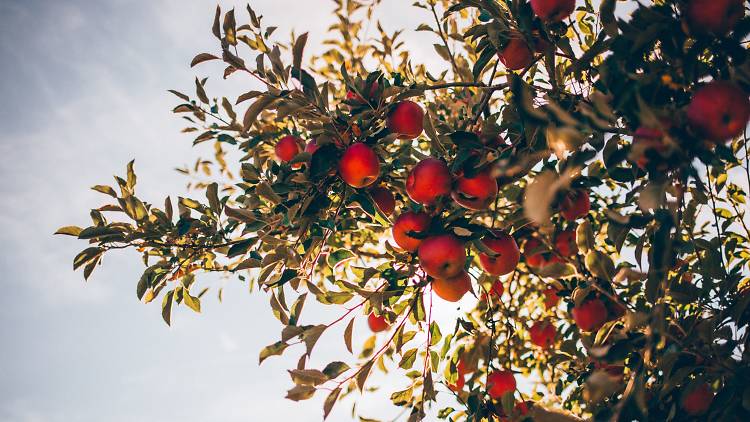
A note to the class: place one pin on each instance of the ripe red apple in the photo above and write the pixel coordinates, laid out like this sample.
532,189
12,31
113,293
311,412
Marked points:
535,256
359,166
646,139
697,400
442,256
475,193
543,334
377,323
288,147
575,205
719,111
516,55
452,289
311,147
714,16
383,199
500,382
565,243
551,299
428,180
406,223
553,10
505,246
406,120
590,315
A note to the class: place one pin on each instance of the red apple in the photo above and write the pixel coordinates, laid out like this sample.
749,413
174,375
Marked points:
507,252
406,120
575,205
516,54
452,289
543,334
383,199
536,257
714,16
500,382
719,111
553,10
565,243
551,299
377,323
697,400
590,315
428,180
646,139
442,256
359,166
311,147
406,223
288,147
475,193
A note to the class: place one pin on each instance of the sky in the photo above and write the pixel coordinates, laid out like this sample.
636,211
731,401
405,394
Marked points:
83,85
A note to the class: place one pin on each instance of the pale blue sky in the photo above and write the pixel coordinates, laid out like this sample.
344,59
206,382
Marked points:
83,85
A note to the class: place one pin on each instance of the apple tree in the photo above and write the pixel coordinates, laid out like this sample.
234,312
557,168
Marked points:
577,172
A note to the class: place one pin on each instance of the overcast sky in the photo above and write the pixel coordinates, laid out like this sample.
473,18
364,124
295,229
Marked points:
83,87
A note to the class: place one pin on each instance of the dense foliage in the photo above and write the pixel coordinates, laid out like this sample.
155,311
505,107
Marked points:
608,143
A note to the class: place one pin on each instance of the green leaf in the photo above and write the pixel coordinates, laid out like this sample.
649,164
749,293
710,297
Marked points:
330,401
339,256
297,50
192,302
212,194
334,369
69,230
202,57
166,307
408,358
275,349
300,392
86,255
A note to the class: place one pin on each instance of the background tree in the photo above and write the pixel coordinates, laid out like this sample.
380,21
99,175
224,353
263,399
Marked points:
609,146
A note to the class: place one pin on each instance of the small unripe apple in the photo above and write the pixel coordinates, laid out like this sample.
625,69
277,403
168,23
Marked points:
719,111
288,147
383,199
714,16
408,222
553,10
452,289
475,193
516,54
575,205
428,180
543,334
697,400
442,256
508,256
565,243
377,323
359,166
406,120
590,315
500,382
